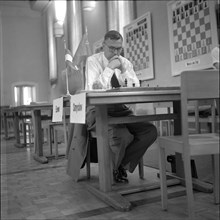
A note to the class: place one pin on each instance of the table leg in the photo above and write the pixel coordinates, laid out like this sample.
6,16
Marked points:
105,192
103,149
5,125
17,131
38,143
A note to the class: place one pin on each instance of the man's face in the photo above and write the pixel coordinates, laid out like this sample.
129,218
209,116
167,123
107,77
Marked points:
112,48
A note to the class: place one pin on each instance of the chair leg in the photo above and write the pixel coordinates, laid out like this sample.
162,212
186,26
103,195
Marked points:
169,128
163,184
189,189
215,163
55,143
25,133
49,138
141,168
161,127
65,140
29,133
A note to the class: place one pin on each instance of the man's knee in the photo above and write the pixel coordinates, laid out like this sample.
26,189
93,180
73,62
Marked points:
119,136
150,133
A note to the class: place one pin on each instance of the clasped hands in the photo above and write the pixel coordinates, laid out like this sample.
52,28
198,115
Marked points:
116,63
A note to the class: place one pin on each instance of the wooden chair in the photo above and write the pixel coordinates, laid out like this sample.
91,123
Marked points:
195,107
26,127
195,85
54,128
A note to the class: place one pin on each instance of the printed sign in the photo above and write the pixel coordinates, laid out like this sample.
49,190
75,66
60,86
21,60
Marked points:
78,108
57,110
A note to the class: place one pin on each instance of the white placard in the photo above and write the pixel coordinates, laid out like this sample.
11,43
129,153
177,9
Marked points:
57,110
78,108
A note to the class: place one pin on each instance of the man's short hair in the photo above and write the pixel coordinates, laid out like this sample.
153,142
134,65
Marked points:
113,35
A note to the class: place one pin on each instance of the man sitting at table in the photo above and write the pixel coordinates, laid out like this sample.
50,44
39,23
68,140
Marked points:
128,142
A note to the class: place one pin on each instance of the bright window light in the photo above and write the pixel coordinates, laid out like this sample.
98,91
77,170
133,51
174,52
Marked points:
60,10
24,94
16,95
89,5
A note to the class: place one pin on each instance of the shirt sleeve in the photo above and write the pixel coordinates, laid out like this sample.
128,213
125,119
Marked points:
95,73
215,55
129,74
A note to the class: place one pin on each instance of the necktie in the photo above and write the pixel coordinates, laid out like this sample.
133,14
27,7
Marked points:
114,81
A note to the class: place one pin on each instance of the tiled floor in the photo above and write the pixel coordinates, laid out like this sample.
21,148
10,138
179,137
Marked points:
30,190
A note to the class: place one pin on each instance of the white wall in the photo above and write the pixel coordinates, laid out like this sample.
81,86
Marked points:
24,51
160,36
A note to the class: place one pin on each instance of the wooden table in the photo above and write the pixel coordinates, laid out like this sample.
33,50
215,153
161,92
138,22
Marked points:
134,95
36,110
4,120
139,95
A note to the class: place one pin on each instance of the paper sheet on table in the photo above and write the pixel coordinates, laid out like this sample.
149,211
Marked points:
57,110
78,108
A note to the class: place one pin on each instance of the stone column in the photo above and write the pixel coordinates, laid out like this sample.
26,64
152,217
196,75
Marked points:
120,13
52,57
74,24
74,31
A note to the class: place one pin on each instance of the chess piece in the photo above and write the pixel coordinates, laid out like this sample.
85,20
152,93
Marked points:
126,82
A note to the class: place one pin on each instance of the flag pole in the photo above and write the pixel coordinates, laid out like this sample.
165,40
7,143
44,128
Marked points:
67,81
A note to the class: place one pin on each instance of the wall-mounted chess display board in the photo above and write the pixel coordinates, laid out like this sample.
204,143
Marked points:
192,33
138,46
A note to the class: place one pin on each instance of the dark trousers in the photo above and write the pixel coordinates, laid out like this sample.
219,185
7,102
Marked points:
144,135
128,142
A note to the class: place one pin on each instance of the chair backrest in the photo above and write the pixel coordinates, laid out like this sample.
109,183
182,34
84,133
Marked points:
197,85
203,107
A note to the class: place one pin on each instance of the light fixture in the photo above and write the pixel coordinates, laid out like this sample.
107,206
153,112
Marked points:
89,5
60,10
58,29
60,13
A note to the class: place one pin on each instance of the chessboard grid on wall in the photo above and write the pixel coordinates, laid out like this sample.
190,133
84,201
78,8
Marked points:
192,33
138,46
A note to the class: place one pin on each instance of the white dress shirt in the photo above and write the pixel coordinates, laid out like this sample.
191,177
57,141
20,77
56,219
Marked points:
215,55
97,71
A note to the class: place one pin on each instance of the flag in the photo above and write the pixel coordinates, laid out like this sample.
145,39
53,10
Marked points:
83,51
69,60
75,65
70,68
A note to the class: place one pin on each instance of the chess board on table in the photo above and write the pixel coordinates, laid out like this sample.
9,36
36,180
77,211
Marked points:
138,46
132,89
192,33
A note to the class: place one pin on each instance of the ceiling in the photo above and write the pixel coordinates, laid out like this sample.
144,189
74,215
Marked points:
38,5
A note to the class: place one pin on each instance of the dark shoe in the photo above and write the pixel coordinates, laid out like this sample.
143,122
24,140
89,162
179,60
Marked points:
122,171
118,178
